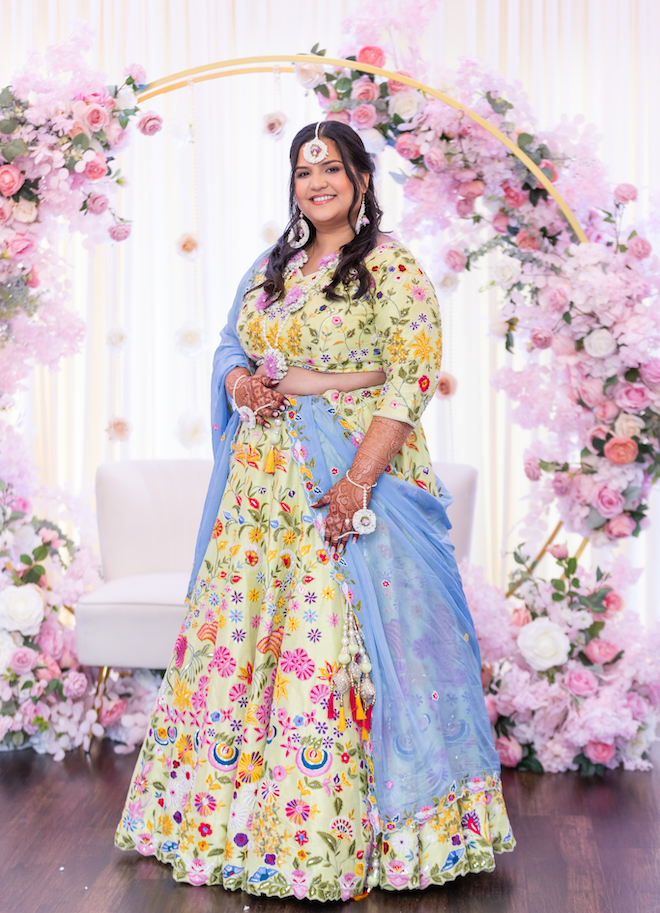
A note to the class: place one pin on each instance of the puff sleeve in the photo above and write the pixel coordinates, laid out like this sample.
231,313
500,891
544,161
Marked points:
407,321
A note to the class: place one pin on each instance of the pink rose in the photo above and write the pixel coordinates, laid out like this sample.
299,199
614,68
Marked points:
32,279
101,97
120,231
541,338
20,246
625,193
150,123
598,432
514,197
455,260
509,750
447,384
407,146
112,712
115,133
363,117
97,203
11,180
546,163
637,705
521,616
96,118
613,602
137,73
633,397
22,660
608,502
639,247
620,527
372,55
527,240
558,551
365,89
31,712
464,207
581,682
562,484
342,116
532,469
590,391
473,189
555,300
50,668
650,372
51,640
332,95
491,708
435,160
75,684
501,223
96,168
465,175
599,752
601,651
394,86
621,450
607,411
6,211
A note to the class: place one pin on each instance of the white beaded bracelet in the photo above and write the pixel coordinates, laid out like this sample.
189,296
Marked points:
237,382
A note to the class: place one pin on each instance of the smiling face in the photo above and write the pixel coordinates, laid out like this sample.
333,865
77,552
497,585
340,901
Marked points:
324,191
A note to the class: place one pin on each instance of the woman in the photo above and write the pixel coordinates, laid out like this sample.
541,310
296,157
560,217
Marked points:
321,727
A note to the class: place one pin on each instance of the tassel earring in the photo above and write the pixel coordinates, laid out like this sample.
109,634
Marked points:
299,234
362,220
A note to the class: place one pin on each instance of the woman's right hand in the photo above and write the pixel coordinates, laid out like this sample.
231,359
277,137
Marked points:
255,392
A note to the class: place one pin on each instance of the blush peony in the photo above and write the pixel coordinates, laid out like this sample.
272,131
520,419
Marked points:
650,371
22,660
509,750
599,752
633,397
456,260
581,682
365,89
625,193
639,247
608,502
407,146
555,300
601,651
541,337
363,117
543,644
75,684
620,527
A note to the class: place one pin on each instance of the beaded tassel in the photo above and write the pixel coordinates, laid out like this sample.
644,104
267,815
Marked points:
353,677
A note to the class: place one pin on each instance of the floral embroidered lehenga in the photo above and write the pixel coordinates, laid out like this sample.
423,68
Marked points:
250,776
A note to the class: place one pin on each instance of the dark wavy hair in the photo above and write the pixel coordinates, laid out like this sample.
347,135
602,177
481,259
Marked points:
357,161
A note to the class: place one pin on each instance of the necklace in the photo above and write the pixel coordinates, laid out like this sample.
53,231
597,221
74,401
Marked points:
274,360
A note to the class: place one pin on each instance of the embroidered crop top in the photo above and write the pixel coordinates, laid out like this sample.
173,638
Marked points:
394,328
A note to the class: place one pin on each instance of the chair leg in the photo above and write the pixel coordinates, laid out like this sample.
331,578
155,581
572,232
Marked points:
98,697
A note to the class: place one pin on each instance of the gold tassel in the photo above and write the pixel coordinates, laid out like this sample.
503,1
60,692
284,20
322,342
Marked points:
359,709
342,719
270,462
365,736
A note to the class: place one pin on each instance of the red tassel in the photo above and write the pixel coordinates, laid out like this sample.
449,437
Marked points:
331,706
367,722
353,707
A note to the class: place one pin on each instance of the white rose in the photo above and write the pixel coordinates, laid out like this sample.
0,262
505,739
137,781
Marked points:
498,328
274,124
543,644
26,540
191,430
7,647
507,271
181,132
310,74
189,339
126,99
405,104
628,425
188,246
599,343
270,232
374,141
117,338
25,211
448,284
21,609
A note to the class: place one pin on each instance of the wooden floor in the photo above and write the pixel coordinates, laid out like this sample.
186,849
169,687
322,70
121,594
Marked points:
583,847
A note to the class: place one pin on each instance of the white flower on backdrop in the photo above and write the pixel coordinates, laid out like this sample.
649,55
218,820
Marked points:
181,133
22,609
270,233
116,338
448,284
189,339
274,124
191,430
188,246
309,75
119,429
373,140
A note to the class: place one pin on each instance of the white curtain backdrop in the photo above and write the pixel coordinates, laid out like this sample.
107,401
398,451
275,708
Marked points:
597,58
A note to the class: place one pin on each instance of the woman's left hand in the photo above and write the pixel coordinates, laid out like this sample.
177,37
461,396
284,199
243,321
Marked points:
344,500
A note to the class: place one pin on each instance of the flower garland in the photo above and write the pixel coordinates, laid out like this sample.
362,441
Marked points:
58,141
588,317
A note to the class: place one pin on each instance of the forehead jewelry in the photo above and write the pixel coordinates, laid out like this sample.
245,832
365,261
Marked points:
315,150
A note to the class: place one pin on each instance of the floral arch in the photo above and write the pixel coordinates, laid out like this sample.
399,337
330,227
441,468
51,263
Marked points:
568,677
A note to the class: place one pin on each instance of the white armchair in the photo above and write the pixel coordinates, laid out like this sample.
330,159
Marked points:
148,514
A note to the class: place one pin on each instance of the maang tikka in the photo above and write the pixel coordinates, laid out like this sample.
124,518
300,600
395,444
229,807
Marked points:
315,150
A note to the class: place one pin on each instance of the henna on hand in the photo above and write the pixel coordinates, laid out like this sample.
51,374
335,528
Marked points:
256,394
384,439
344,499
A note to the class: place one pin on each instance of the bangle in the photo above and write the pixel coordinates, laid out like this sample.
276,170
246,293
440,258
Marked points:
364,521
357,484
238,380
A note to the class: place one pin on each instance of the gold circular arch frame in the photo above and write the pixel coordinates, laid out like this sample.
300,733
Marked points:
241,66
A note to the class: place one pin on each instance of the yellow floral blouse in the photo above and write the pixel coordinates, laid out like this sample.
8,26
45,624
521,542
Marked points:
395,328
